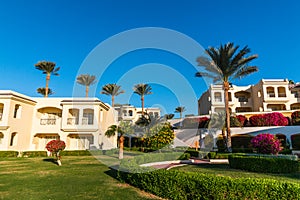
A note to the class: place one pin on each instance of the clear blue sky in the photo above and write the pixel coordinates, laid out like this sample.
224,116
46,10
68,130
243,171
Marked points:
67,31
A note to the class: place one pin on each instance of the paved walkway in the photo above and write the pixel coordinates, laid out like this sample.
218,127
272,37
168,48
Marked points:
171,164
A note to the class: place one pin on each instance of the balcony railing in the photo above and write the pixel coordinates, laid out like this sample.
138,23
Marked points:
86,121
281,94
72,121
48,122
270,94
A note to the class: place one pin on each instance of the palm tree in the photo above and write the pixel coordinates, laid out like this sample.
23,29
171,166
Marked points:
121,129
48,68
113,90
42,91
142,90
180,110
86,80
224,64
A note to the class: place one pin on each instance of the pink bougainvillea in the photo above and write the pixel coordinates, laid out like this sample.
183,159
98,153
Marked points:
55,146
269,119
266,143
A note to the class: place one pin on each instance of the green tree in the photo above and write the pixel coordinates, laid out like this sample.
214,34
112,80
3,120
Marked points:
42,91
49,69
159,136
123,128
142,90
86,80
224,64
180,110
113,90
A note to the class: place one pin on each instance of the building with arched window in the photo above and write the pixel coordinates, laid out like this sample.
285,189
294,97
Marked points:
266,96
28,123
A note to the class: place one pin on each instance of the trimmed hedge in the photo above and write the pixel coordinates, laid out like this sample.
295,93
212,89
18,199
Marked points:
264,163
177,185
9,153
34,154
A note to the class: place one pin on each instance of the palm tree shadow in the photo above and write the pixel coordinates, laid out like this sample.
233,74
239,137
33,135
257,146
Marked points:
50,160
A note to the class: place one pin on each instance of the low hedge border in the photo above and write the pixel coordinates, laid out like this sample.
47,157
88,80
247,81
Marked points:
9,153
264,163
177,185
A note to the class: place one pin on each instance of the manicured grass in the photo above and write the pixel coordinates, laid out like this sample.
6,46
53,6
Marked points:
79,177
225,170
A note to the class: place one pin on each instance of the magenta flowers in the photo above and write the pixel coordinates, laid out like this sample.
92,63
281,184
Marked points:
266,143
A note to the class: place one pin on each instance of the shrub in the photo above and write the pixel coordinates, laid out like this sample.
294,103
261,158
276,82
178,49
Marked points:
8,153
264,163
201,122
296,118
266,144
172,184
76,153
242,119
34,154
234,122
269,119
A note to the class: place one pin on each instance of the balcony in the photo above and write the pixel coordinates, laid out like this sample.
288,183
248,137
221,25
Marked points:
72,121
270,95
49,121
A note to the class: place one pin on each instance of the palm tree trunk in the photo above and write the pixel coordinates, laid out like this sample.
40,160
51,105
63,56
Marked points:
142,99
121,146
47,85
226,88
113,101
86,91
180,115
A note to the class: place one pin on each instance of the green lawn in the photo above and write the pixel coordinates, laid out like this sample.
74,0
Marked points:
80,177
225,170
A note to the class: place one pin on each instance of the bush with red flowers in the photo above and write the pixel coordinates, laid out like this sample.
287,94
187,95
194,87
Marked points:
55,147
269,119
200,122
242,119
266,143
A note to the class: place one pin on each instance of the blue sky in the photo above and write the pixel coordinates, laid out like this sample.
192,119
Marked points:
66,32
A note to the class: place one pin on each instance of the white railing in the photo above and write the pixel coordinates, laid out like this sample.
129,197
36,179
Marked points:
72,121
49,121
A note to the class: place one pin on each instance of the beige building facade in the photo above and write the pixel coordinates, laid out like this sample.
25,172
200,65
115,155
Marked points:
28,123
266,96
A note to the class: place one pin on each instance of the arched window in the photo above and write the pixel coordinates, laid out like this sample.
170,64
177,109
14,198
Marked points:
13,139
88,116
270,92
17,111
281,92
130,113
218,97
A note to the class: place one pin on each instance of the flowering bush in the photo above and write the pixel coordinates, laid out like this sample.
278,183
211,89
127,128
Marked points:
242,119
296,118
266,143
200,122
269,119
55,146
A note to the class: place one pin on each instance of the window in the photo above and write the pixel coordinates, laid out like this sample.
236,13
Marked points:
17,111
13,139
1,137
88,117
229,96
218,97
270,92
281,92
130,113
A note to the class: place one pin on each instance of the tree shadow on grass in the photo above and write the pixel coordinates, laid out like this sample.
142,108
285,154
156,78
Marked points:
113,172
52,160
